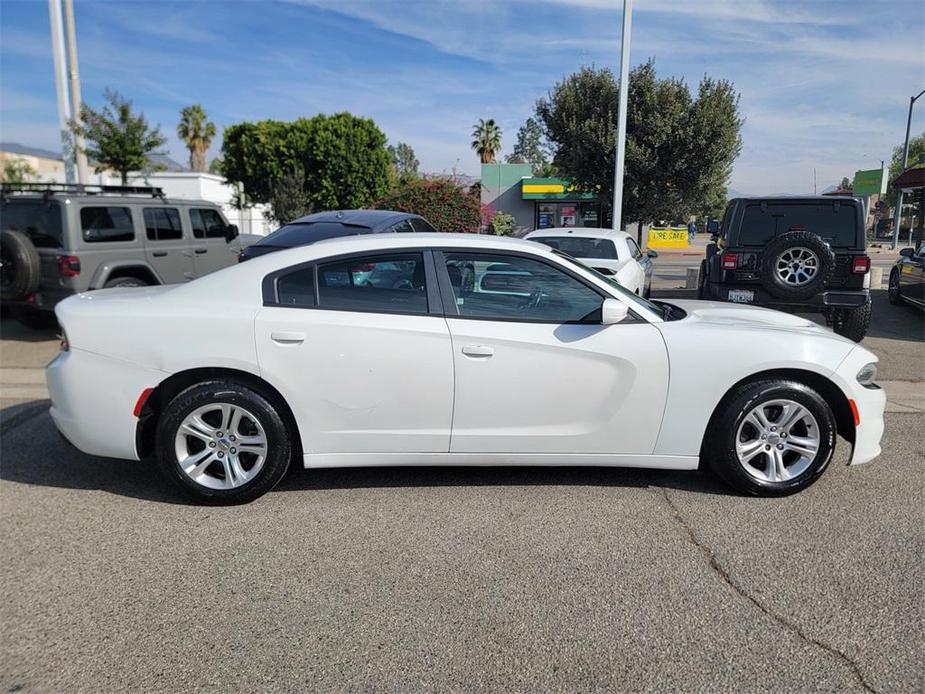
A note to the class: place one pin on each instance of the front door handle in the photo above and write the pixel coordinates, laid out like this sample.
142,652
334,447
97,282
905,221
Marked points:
200,251
479,351
159,254
282,337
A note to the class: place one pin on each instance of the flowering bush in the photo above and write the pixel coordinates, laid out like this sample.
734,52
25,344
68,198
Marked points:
440,201
502,224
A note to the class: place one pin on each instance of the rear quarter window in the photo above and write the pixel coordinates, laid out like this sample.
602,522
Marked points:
39,220
835,221
106,224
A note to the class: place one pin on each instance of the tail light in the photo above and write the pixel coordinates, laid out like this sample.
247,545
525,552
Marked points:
860,264
68,265
363,267
730,261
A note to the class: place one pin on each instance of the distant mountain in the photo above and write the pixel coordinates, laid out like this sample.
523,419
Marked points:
161,161
733,193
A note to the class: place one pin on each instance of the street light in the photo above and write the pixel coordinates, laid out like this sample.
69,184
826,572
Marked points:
621,115
899,201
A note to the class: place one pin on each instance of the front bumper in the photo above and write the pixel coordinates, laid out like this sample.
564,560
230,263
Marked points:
93,398
869,403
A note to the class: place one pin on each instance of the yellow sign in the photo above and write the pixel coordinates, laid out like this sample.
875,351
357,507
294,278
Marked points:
543,188
672,237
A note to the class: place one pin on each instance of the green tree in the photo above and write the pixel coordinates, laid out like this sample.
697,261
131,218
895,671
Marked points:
289,199
530,148
197,132
845,183
343,158
116,138
486,140
16,170
916,158
404,162
502,224
439,200
679,149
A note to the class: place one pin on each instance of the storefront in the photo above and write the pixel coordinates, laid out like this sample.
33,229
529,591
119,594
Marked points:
557,204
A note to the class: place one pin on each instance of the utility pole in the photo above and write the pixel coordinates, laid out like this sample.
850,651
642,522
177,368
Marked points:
73,75
899,201
621,115
814,181
64,115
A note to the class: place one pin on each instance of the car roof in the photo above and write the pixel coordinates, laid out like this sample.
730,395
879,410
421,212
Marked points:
366,218
580,232
796,198
349,244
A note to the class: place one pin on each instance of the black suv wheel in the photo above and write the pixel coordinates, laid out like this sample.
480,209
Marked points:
852,323
796,265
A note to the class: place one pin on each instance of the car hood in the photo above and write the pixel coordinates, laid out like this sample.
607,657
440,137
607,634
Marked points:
745,317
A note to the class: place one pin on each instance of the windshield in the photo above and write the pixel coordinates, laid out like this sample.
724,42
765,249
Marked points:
40,220
633,298
303,233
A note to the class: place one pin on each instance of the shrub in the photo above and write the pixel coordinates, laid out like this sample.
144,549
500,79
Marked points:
440,201
502,224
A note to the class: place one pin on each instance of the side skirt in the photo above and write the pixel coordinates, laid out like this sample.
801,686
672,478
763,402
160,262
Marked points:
660,462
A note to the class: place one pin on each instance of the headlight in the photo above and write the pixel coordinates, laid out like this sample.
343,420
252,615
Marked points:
867,374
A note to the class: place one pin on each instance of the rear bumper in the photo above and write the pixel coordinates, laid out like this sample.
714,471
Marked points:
92,401
833,298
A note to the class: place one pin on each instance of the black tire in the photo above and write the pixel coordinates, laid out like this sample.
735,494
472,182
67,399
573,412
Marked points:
719,447
702,281
777,247
20,266
278,442
893,291
35,319
125,282
852,323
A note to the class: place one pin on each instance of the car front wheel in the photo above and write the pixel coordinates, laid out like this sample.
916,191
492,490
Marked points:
222,443
771,438
893,289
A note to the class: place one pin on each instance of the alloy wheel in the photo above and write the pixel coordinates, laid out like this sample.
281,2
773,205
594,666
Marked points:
797,266
221,446
777,441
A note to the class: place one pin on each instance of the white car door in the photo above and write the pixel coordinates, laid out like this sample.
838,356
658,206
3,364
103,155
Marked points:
361,353
535,370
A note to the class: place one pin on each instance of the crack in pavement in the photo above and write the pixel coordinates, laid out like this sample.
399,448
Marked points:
782,621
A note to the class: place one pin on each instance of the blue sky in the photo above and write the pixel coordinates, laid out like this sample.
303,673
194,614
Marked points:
823,84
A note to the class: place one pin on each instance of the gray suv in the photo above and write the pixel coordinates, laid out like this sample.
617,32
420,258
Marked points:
58,239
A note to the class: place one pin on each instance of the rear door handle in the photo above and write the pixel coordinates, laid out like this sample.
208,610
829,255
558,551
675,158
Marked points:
200,251
480,351
282,337
159,254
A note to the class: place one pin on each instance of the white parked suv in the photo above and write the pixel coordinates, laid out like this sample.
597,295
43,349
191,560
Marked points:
612,253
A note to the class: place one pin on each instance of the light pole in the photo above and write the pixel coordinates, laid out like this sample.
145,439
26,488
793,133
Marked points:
621,115
73,80
899,200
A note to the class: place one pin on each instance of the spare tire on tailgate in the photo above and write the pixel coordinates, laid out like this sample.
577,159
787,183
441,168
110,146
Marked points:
796,265
20,265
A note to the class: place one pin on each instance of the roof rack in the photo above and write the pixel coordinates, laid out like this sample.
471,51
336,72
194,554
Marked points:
49,189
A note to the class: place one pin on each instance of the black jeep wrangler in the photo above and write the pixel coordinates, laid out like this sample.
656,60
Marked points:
793,254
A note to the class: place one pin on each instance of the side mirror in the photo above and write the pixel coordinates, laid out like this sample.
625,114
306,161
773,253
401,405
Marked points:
613,311
907,252
652,254
231,232
713,227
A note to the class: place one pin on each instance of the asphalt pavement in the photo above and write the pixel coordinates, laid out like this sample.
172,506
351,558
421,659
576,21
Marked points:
461,579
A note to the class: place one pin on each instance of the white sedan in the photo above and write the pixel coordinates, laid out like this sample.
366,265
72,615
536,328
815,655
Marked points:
610,252
226,379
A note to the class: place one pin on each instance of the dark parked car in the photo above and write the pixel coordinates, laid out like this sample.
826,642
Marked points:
329,225
793,254
907,278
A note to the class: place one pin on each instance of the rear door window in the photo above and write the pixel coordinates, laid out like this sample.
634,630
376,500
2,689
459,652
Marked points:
162,223
207,223
833,221
579,247
106,224
377,284
403,227
422,226
634,249
39,220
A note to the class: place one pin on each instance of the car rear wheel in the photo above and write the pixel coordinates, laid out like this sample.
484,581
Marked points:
893,289
852,323
222,443
771,438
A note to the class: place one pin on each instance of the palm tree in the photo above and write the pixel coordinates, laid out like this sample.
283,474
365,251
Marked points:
486,140
197,133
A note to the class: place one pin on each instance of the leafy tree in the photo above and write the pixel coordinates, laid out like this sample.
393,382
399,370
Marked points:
916,158
404,162
16,170
215,166
845,183
486,140
502,224
197,132
343,158
117,138
530,148
679,149
289,199
439,200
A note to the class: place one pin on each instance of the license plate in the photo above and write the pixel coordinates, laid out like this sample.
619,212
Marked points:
741,296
